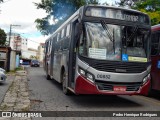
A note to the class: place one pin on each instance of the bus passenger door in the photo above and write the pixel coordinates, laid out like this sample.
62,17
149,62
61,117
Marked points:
72,56
52,59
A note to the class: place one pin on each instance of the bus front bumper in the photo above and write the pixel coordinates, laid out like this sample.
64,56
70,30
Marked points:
84,86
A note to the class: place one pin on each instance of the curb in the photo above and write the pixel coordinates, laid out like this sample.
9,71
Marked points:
17,96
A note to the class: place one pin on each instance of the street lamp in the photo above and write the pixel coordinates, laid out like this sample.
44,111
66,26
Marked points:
10,32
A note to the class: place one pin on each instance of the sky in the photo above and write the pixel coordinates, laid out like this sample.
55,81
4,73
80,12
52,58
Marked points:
24,13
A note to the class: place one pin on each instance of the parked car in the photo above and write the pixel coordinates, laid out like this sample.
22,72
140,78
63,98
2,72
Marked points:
2,70
35,63
2,75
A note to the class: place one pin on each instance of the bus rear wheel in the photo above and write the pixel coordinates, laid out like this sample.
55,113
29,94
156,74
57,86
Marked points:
47,75
64,84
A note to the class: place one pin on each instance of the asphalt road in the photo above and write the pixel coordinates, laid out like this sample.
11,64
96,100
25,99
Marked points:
47,95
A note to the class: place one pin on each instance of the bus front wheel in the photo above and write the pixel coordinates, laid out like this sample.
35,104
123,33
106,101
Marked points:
150,91
64,84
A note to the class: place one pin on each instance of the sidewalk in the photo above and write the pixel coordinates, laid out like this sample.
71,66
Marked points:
17,96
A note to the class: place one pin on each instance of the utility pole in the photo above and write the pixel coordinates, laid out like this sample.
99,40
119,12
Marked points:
10,32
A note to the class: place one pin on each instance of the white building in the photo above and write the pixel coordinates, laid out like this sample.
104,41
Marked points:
40,52
29,53
17,42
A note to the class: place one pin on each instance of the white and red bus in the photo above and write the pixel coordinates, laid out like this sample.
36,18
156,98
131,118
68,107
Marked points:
101,50
155,57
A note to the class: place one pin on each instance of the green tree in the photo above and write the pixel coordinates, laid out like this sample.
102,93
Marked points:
33,57
150,7
123,3
3,37
57,12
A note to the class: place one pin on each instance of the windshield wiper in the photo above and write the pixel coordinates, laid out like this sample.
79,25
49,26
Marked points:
105,27
128,39
109,33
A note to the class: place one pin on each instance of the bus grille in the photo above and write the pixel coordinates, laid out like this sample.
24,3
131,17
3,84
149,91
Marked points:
102,85
120,68
116,66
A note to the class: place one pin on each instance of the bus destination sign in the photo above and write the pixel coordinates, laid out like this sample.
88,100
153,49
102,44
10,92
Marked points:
126,17
119,14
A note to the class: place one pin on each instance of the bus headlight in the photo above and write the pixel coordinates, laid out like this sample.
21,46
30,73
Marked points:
146,78
86,74
90,77
82,72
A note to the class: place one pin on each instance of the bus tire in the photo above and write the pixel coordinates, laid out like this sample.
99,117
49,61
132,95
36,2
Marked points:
47,75
150,91
64,84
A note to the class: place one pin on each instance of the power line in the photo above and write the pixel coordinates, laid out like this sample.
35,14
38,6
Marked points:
24,37
30,39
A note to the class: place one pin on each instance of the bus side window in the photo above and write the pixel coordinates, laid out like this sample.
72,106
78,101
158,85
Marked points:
154,45
58,42
64,39
46,47
62,34
54,42
58,37
68,30
67,38
50,47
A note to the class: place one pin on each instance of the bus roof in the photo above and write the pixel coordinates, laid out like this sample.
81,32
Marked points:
77,13
156,27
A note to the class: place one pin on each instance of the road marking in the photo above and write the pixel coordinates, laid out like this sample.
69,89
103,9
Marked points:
157,102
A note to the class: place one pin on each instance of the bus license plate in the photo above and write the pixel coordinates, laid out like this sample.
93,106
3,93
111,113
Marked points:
119,88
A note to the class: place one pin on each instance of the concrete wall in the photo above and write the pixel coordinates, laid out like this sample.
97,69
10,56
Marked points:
13,60
5,57
28,53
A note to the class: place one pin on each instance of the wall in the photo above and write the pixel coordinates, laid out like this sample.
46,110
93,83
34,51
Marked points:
5,57
28,53
13,60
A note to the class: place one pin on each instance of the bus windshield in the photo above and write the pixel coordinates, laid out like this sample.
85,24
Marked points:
114,42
